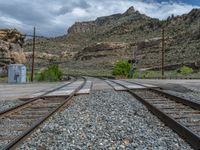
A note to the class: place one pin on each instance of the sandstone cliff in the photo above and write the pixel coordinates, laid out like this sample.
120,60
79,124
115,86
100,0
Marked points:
93,41
11,50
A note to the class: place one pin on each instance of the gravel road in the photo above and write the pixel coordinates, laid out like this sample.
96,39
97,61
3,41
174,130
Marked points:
104,120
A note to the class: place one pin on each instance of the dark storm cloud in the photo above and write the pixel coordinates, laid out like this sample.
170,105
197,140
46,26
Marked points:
53,17
71,5
24,11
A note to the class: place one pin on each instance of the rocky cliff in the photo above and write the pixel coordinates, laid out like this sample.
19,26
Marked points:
11,50
99,40
82,27
182,38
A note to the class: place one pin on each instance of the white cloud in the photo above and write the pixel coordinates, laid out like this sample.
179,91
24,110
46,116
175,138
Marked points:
79,12
10,21
163,10
53,17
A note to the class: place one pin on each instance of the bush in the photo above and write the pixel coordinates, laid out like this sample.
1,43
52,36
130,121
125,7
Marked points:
186,70
52,73
121,68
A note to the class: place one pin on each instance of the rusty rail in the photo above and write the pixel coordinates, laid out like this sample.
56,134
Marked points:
24,134
34,99
192,104
182,129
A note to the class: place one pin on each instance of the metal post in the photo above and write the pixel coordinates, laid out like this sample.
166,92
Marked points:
33,55
163,52
132,63
137,63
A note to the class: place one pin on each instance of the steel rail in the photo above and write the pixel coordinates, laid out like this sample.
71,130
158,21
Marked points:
189,136
22,136
192,104
33,99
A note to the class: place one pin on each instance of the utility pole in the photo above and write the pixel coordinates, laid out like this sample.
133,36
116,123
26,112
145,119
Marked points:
163,52
33,55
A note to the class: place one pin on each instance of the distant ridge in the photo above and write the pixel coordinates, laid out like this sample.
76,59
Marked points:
110,38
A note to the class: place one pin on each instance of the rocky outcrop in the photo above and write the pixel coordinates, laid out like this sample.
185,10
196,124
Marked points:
12,36
11,50
101,23
182,38
114,37
42,56
130,11
100,50
67,55
82,27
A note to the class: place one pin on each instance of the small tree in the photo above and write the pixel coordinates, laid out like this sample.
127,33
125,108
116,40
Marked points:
121,68
186,70
52,73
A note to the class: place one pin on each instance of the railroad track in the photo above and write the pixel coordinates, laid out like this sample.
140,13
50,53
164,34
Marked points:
37,97
18,122
181,115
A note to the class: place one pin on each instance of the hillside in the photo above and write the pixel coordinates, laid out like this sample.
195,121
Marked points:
107,39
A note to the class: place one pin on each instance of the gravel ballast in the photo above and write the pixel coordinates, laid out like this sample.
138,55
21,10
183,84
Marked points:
5,104
104,120
191,96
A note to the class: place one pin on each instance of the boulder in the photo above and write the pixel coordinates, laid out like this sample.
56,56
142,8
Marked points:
11,50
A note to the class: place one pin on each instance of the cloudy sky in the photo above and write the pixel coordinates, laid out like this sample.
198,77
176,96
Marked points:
53,17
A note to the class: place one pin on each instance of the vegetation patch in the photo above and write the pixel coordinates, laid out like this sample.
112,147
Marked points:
185,70
121,69
52,73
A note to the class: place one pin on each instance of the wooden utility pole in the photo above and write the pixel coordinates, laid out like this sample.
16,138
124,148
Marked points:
33,55
163,52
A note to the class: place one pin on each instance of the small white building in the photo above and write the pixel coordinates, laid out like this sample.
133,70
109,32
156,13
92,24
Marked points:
16,73
1,71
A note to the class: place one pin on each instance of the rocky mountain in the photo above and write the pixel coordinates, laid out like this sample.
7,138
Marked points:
110,38
11,50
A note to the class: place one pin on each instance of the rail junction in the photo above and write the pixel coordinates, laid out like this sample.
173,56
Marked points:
181,115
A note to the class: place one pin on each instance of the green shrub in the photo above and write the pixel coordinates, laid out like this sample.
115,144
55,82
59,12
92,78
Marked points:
186,70
121,68
52,73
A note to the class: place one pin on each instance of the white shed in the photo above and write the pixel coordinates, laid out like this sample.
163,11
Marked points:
16,73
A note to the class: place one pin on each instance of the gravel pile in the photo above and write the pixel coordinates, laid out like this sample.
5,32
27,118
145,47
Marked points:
104,120
5,104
